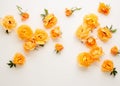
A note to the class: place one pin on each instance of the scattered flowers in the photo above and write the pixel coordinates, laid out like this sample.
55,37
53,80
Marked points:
49,20
24,15
108,66
8,23
104,8
58,47
18,59
69,12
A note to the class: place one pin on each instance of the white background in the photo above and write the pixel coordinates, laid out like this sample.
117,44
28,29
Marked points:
44,67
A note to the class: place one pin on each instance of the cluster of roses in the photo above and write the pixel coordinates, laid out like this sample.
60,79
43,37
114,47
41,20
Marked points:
90,22
32,40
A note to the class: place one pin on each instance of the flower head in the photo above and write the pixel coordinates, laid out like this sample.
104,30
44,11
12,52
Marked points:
24,15
104,9
58,47
8,22
90,42
24,32
40,37
91,20
69,12
19,59
96,52
49,20
84,59
55,33
107,66
82,32
104,34
29,45
114,50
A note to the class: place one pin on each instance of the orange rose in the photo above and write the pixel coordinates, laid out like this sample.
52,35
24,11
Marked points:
24,32
96,52
90,42
114,50
107,66
55,33
68,12
84,59
58,47
104,34
91,21
40,36
24,16
19,59
82,32
104,9
49,20
8,22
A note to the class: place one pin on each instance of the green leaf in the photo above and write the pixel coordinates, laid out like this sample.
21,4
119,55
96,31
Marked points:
11,64
46,11
75,9
113,31
114,72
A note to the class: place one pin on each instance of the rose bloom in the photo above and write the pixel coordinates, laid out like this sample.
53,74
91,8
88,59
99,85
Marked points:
90,42
82,32
24,32
19,59
29,45
24,16
104,34
96,53
84,59
114,50
40,36
107,66
104,9
68,12
49,21
8,22
91,20
59,47
55,33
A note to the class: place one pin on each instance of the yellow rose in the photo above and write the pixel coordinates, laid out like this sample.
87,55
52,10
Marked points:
49,21
104,34
40,36
55,33
91,20
82,32
19,59
104,9
84,59
96,52
107,66
58,47
8,22
24,32
29,45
